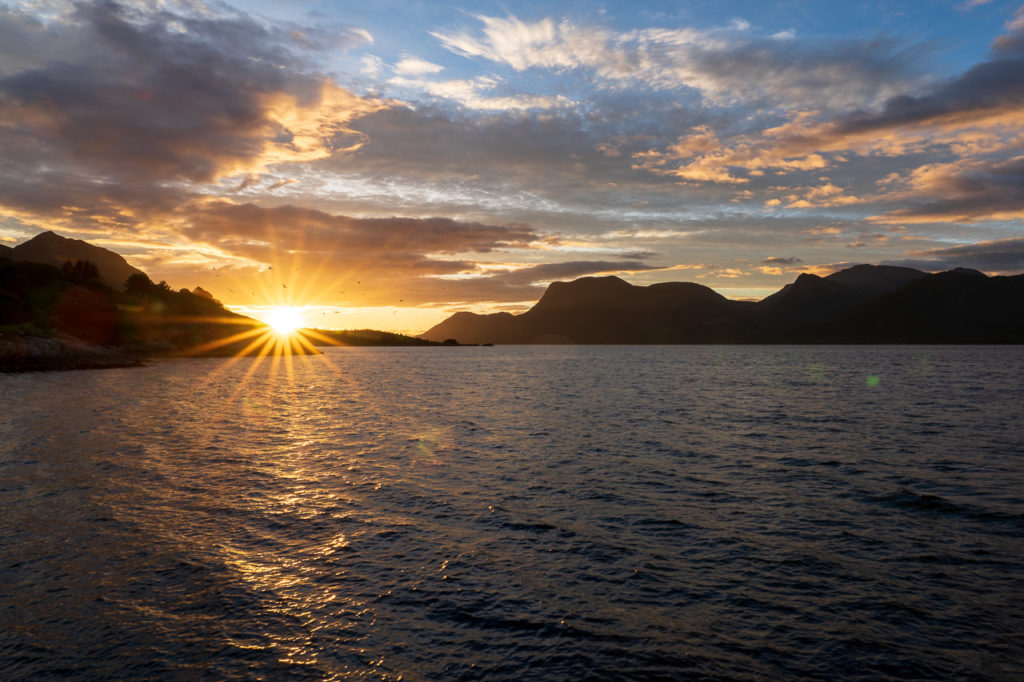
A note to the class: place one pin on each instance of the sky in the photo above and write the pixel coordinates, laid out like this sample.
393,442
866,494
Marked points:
385,164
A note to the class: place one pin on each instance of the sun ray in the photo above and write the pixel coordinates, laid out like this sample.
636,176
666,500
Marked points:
322,337
219,343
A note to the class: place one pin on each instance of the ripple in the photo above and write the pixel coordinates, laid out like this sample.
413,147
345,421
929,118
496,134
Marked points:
538,513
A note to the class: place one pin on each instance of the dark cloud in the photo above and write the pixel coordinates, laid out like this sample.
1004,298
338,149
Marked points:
548,272
805,73
999,256
967,192
442,143
315,238
779,261
990,88
154,98
83,201
550,168
997,84
23,41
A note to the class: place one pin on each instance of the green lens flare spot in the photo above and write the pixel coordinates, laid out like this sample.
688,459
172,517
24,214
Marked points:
872,380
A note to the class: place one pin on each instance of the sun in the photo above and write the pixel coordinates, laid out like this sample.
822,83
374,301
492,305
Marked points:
284,321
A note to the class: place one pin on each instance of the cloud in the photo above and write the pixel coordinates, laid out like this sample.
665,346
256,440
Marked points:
723,272
998,256
533,153
254,231
371,65
705,159
549,272
222,138
777,265
724,65
826,269
280,183
981,112
134,97
468,93
524,45
965,191
414,66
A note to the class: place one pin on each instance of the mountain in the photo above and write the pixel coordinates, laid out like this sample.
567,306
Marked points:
862,304
811,299
52,249
876,279
958,306
605,310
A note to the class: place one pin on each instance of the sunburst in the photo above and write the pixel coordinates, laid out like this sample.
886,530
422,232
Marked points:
285,321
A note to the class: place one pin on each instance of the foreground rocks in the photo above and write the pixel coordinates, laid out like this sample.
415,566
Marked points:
19,353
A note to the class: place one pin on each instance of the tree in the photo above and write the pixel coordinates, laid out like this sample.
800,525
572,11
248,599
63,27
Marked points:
139,283
81,270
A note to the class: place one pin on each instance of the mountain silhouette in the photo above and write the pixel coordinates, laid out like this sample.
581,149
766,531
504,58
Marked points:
957,306
876,279
53,249
862,304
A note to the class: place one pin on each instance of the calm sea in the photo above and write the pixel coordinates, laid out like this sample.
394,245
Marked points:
519,513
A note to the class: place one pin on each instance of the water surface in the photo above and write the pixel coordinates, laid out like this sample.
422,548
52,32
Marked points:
519,513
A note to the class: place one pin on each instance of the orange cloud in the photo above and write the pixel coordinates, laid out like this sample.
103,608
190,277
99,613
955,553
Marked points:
311,130
706,159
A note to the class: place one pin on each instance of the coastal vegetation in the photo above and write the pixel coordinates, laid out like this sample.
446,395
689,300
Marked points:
67,317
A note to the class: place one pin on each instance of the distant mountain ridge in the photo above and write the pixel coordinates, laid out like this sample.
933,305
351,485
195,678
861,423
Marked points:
861,304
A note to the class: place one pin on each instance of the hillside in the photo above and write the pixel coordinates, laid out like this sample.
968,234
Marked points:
52,249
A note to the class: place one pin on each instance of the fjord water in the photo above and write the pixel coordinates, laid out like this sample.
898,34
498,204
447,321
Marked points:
527,512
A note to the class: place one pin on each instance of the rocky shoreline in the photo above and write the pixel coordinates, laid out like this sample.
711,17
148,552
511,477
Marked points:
20,353
27,353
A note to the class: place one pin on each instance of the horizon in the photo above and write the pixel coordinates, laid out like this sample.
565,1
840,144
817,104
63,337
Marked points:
304,317
384,169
